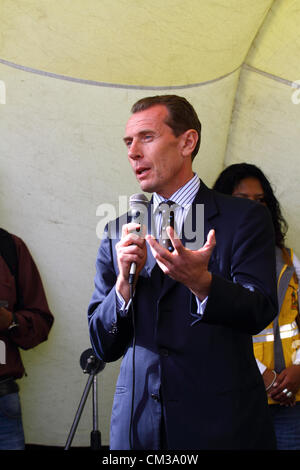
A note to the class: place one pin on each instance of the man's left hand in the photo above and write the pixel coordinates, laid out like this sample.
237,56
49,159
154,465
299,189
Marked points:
186,266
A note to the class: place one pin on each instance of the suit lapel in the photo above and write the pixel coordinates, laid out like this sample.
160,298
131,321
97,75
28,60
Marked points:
198,220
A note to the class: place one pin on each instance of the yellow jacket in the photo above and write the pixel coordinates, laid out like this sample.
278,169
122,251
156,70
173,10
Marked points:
287,288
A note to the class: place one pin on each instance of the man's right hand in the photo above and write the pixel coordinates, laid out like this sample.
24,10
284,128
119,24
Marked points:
130,249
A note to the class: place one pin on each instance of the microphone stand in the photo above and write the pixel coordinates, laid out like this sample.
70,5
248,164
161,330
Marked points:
90,365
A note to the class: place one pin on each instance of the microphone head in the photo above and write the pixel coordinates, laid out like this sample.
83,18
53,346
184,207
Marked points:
138,206
137,199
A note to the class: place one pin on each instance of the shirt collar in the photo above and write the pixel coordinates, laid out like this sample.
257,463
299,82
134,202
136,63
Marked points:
183,197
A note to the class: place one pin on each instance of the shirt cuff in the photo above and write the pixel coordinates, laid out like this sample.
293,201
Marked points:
201,305
122,308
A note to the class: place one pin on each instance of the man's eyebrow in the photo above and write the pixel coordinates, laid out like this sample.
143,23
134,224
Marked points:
140,134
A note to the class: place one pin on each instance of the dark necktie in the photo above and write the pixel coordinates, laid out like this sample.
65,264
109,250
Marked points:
167,211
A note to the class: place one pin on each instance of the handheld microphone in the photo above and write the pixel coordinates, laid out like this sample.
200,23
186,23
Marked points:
138,204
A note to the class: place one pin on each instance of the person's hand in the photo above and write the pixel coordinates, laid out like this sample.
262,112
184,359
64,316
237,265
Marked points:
286,386
6,318
269,376
130,249
186,266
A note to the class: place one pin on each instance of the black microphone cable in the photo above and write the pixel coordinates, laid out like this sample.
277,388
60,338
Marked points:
136,202
133,366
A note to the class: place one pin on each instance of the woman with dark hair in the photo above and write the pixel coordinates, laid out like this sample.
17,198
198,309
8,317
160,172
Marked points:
277,348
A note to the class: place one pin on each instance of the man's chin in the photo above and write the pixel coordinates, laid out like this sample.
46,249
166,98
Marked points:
146,187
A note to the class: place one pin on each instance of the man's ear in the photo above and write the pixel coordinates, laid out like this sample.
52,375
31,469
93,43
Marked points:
189,142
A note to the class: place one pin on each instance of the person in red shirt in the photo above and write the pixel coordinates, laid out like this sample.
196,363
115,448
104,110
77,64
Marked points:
25,322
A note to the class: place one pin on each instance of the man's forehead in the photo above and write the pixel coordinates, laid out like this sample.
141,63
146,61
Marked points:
148,119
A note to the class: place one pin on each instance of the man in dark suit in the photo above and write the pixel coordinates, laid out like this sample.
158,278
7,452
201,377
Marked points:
188,378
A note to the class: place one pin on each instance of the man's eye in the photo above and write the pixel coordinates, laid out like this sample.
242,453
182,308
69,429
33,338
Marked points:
148,137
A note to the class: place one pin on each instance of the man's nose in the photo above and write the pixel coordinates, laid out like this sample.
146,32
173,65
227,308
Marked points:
134,151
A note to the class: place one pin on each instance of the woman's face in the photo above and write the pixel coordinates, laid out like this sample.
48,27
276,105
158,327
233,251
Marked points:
250,188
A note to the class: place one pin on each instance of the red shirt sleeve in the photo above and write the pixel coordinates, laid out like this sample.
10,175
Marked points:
34,317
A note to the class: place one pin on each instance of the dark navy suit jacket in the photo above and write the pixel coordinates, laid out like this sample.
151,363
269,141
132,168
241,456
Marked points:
200,373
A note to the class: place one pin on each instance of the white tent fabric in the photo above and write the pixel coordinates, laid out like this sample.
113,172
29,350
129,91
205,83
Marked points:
69,72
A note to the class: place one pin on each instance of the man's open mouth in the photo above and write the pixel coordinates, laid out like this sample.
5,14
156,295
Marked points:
141,171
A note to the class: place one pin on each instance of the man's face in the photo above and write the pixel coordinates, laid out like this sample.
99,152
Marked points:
154,152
